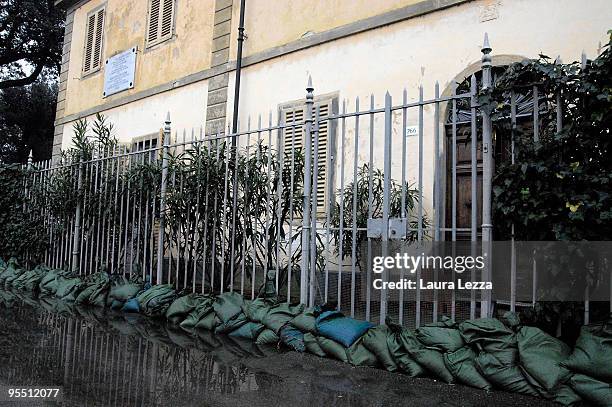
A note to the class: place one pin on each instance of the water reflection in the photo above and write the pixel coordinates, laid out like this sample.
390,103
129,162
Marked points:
147,363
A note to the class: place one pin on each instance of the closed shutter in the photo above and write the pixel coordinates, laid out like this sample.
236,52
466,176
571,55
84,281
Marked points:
294,139
161,21
93,41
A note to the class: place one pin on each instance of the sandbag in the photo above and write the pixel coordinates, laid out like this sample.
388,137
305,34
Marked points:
507,377
332,348
68,289
155,301
292,337
312,345
443,335
400,355
461,364
280,314
566,396
182,307
540,355
209,322
256,310
375,339
432,360
124,290
131,305
488,334
592,353
250,330
592,390
48,284
203,308
95,291
359,355
234,323
334,325
228,305
306,321
29,280
11,274
267,337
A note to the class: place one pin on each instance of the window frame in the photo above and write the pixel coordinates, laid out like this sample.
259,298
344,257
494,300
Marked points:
160,39
94,12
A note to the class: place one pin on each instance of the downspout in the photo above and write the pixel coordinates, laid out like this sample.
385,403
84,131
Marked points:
238,71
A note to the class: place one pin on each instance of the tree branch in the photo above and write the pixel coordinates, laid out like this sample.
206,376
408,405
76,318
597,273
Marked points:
11,83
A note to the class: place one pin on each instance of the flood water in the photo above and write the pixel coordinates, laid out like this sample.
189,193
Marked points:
103,358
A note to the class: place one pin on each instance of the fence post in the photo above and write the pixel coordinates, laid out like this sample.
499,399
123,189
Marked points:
76,242
385,210
162,200
304,274
487,175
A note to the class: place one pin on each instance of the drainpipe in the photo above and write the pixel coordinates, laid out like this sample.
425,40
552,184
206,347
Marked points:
238,71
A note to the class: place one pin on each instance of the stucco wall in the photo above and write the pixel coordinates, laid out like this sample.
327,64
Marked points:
271,23
125,26
146,116
422,50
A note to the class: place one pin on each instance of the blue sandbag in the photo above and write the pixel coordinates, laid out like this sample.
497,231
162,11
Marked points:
131,305
334,325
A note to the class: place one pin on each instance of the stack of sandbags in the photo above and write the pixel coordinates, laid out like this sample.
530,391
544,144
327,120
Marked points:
49,283
123,289
11,272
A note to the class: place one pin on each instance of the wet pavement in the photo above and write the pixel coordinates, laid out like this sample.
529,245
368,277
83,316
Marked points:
102,358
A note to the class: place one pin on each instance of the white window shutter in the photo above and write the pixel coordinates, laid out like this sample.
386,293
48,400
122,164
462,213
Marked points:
161,21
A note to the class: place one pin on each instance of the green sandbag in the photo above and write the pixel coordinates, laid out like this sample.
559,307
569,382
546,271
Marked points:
332,349
11,275
68,289
155,301
48,284
375,340
592,353
250,330
592,390
228,305
431,360
267,337
280,314
30,279
489,334
461,363
401,356
182,307
203,308
566,396
209,322
228,326
540,355
359,355
507,377
312,345
443,335
124,292
306,321
256,310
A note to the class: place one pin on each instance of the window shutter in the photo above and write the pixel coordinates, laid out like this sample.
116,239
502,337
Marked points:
93,41
98,45
323,149
294,139
161,21
154,20
167,17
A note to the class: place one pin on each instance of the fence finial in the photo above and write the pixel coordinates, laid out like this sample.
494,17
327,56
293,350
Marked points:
30,158
309,87
558,60
583,59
